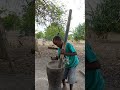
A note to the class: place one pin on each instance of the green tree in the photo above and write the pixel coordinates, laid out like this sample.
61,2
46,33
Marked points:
11,22
39,35
48,11
2,11
52,30
79,33
28,20
70,37
105,18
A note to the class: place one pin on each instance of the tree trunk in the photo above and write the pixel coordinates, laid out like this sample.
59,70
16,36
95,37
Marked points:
3,48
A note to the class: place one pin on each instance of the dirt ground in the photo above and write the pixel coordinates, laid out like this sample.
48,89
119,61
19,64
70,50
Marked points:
41,81
23,76
109,57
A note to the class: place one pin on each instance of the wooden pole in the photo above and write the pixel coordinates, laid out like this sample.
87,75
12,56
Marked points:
54,71
60,64
53,48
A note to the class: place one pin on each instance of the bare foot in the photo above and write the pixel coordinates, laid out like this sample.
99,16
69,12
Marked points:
64,87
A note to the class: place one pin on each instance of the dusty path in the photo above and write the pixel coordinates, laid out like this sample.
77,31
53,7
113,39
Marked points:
41,82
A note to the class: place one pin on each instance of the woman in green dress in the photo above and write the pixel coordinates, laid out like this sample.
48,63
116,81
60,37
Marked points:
93,77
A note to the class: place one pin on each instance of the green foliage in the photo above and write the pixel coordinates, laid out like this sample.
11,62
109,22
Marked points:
79,33
11,21
48,11
70,37
2,10
39,35
105,18
25,24
28,20
52,30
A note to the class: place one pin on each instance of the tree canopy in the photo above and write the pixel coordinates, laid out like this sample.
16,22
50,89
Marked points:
28,20
39,35
79,33
11,22
47,11
52,30
105,18
24,24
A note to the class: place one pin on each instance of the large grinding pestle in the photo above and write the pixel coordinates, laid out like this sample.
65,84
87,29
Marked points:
55,75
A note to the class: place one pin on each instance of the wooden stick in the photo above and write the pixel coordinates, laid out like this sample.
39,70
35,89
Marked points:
60,64
53,48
